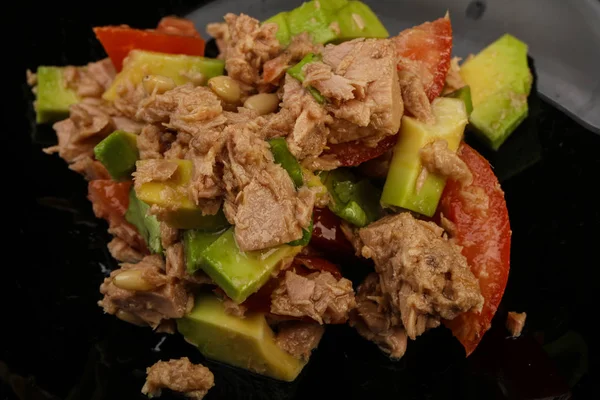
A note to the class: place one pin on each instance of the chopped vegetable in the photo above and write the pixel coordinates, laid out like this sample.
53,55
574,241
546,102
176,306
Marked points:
283,157
195,242
404,185
147,225
296,72
306,235
118,41
485,241
312,18
283,31
464,94
53,97
355,201
240,273
118,153
180,68
353,153
357,20
172,195
500,82
245,342
327,233
428,48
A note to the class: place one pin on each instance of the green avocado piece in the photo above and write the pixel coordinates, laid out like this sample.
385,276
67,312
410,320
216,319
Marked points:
283,157
179,67
404,186
53,98
331,4
240,273
194,243
464,93
118,153
357,20
146,224
312,18
283,32
247,342
500,81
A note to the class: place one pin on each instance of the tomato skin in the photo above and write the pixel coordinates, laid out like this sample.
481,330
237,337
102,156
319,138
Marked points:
428,47
318,264
118,41
110,199
485,241
327,233
353,153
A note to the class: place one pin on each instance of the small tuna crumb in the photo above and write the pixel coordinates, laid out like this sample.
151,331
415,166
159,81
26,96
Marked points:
515,322
31,78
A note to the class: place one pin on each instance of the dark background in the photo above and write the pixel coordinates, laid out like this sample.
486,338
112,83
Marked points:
57,344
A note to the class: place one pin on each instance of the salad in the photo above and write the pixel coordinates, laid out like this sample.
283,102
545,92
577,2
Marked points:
241,191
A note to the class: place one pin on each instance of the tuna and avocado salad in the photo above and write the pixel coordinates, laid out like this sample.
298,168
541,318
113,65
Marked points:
244,191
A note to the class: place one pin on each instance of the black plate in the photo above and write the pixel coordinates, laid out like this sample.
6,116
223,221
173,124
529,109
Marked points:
57,344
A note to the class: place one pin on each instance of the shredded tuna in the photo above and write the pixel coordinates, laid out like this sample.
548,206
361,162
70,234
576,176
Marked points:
245,46
168,298
319,296
193,381
299,338
90,169
92,80
439,160
415,99
149,142
425,276
330,85
31,78
308,121
153,171
515,322
375,320
122,251
168,235
300,46
260,199
370,67
232,308
453,79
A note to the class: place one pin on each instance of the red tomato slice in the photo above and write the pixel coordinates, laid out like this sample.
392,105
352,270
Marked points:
118,41
318,264
177,26
327,234
354,153
486,245
110,199
428,48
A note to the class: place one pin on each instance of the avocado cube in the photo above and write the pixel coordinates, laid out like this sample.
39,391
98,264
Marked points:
195,241
400,187
500,81
464,94
172,196
181,68
240,273
331,4
118,153
314,19
146,224
247,342
357,20
283,32
53,97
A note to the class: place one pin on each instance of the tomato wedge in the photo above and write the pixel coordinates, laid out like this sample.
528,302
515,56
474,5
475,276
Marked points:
110,199
327,233
177,26
353,153
426,50
486,245
118,41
